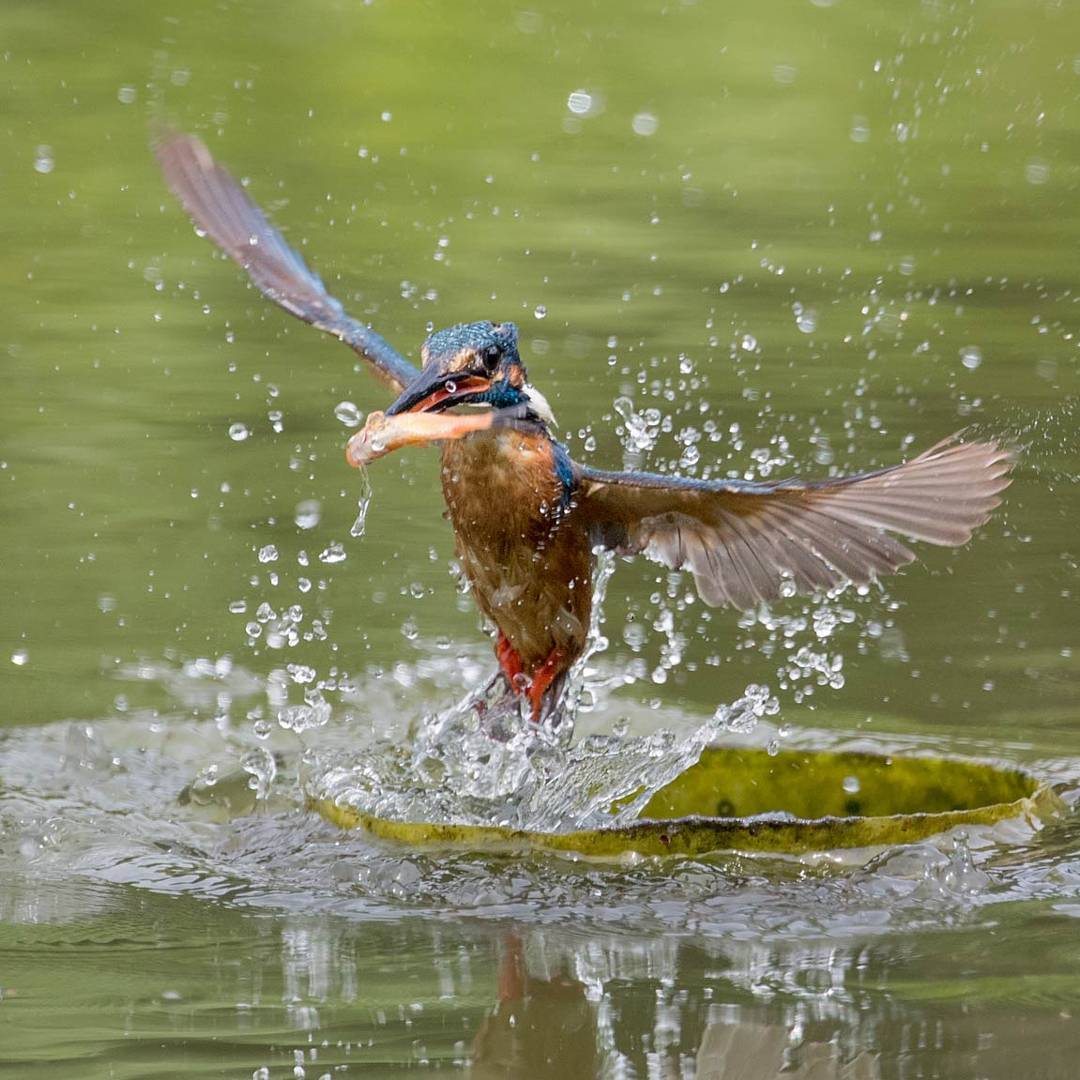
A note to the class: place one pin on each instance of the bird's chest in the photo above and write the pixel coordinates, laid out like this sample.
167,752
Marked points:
502,491
529,570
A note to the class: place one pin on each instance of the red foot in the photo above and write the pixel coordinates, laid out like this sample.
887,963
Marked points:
541,678
509,661
512,970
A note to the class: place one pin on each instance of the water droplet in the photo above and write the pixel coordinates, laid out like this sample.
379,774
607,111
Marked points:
335,553
580,102
301,674
1036,172
348,414
971,357
126,95
540,311
20,658
263,768
238,432
238,607
362,504
307,513
860,129
748,343
645,123
43,160
852,785
267,554
299,718
805,319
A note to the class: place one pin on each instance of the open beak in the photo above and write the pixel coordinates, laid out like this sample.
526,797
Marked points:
434,391
419,416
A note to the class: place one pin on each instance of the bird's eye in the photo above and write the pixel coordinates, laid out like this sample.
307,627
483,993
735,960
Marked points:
491,357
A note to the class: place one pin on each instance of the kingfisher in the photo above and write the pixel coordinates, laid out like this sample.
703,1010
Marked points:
530,522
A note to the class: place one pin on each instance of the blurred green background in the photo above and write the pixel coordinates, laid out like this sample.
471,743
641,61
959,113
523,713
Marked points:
832,232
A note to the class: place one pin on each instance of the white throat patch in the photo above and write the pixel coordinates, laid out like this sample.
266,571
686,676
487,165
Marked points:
540,405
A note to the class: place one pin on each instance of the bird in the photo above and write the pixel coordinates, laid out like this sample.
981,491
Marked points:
530,522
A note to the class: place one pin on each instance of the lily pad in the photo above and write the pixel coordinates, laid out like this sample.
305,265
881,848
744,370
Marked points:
736,799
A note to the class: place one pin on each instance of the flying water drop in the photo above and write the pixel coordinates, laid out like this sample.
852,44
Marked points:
307,513
333,553
360,524
348,414
971,357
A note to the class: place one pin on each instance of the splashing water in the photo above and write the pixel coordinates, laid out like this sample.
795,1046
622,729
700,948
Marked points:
484,762
364,501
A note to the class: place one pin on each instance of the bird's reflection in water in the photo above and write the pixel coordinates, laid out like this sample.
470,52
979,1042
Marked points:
555,1025
539,1026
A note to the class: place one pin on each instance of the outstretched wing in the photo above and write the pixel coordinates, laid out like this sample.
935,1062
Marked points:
744,540
219,206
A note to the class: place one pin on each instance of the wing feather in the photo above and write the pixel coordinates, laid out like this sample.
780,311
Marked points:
742,541
220,208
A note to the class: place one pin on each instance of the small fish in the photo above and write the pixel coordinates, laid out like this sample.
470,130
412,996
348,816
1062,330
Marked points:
384,434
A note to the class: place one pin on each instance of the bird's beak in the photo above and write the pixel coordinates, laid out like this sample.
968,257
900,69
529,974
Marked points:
434,391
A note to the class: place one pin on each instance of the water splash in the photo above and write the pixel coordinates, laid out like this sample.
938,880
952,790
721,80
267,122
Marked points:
484,762
363,503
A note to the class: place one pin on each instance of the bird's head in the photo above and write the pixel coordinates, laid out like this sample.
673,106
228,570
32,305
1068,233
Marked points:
473,364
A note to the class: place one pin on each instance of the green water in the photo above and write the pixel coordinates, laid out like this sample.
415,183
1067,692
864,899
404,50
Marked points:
852,226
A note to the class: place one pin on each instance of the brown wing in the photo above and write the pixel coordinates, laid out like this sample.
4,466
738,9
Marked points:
219,206
743,540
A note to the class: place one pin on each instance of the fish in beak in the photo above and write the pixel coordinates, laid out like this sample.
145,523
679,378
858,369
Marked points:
382,434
